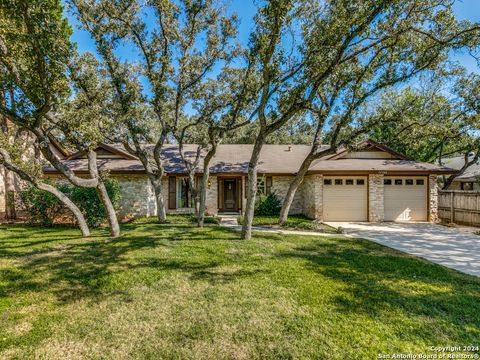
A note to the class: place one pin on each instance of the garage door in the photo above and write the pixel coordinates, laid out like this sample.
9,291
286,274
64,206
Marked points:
405,198
345,198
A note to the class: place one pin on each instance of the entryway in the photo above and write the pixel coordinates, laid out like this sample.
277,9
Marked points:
230,194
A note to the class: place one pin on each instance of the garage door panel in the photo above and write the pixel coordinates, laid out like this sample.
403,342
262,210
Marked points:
342,202
405,198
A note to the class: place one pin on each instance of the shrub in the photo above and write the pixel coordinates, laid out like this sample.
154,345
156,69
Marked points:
268,205
87,200
43,208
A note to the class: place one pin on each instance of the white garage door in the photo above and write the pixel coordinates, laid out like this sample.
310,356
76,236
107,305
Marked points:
345,198
405,198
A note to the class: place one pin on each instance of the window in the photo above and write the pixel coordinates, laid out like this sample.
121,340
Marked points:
387,181
420,182
327,181
360,182
338,181
349,182
184,194
398,182
466,186
408,181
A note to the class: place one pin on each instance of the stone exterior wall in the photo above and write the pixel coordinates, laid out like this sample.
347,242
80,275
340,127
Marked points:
312,197
376,211
280,186
138,198
211,202
433,198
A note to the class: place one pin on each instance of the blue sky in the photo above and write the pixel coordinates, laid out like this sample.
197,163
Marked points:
245,9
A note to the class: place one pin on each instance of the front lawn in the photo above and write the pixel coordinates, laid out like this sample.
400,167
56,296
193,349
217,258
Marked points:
294,222
175,291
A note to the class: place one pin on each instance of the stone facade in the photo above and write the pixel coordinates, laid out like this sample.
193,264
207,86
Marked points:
375,198
312,195
211,202
280,186
138,198
433,198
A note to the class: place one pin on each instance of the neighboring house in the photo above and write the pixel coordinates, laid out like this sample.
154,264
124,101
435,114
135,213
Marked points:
469,180
373,184
56,147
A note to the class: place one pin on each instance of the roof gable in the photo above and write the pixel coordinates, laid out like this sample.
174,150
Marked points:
105,151
368,149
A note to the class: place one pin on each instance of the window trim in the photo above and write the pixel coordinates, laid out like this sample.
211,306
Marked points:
463,183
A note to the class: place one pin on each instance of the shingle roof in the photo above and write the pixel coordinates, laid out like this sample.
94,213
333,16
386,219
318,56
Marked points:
457,163
274,159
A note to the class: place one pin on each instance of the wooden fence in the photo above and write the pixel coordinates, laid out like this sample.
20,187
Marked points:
460,207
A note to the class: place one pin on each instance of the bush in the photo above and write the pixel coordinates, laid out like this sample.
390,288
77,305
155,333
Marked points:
268,205
88,201
43,208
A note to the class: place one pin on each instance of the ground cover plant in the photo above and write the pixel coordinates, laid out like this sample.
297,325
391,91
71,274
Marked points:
177,291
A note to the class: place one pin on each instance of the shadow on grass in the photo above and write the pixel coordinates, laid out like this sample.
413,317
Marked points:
76,268
380,282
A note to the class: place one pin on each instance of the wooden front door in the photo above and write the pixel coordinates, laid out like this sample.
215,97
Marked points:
230,195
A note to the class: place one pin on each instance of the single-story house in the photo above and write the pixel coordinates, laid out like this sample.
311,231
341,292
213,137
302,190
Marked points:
470,179
373,183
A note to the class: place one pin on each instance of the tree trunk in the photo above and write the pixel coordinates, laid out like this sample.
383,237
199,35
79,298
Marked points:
8,164
204,186
82,223
193,191
292,189
111,215
103,194
10,210
158,190
252,188
154,175
449,181
464,168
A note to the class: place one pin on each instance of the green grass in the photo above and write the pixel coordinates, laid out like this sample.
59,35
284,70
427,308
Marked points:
175,291
294,222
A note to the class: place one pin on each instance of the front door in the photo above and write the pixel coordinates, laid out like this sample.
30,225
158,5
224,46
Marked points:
230,195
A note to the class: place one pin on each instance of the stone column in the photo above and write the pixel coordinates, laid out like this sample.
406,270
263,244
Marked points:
212,196
312,193
376,211
433,198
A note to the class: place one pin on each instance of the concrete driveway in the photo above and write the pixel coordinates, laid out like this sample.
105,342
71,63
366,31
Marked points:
456,248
